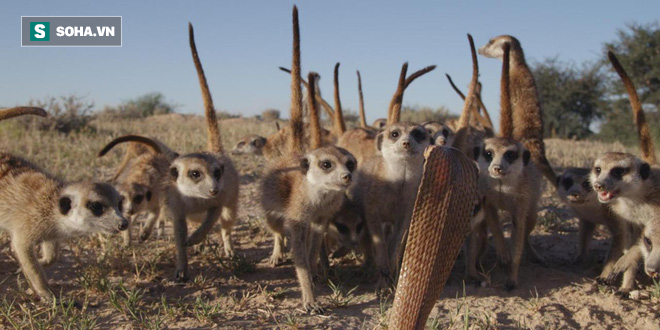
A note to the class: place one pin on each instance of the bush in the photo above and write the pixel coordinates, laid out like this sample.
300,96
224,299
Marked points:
418,114
65,114
270,114
144,106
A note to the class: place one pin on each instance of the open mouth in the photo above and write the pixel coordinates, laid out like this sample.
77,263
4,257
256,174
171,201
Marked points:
607,196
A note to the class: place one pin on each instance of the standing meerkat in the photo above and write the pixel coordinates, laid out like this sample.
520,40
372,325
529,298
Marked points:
387,183
301,192
140,182
630,187
527,111
37,208
201,182
510,182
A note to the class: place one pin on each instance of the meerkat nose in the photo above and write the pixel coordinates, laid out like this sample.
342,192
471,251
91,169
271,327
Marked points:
347,177
497,169
598,187
123,225
213,191
406,144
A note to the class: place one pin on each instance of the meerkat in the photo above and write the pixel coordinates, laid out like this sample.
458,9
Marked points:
484,121
275,145
527,111
141,182
379,123
510,182
136,150
201,182
38,208
630,186
324,104
303,191
250,145
441,134
387,183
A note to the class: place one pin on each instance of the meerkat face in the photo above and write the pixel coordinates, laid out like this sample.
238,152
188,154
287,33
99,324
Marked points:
403,141
198,175
651,248
617,174
501,159
252,144
574,186
88,208
441,134
379,123
329,168
135,197
495,47
347,227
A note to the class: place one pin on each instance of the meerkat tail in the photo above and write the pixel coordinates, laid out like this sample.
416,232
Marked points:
315,125
363,118
326,106
483,107
340,125
296,121
643,132
506,120
394,112
20,111
214,138
464,119
458,91
131,138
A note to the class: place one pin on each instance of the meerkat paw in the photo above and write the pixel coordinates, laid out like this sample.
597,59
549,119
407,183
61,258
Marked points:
476,280
313,309
510,285
277,259
144,235
229,252
181,276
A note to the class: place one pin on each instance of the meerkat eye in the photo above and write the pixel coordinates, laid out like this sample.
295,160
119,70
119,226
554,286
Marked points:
488,155
138,199
619,172
648,242
597,170
350,166
586,185
342,228
568,183
395,134
445,132
326,164
241,144
511,156
418,135
96,208
194,174
121,204
217,173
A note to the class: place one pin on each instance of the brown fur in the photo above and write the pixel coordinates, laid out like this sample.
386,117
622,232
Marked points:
394,111
324,104
339,124
461,136
363,118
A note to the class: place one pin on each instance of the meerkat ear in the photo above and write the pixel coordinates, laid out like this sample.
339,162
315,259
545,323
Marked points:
379,141
304,164
174,172
526,156
475,152
645,171
65,205
148,195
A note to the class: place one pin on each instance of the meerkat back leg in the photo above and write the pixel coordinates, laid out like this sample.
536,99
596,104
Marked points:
585,231
474,246
212,216
153,217
316,245
126,234
300,249
227,221
616,249
33,272
501,248
380,255
276,225
49,252
529,227
520,221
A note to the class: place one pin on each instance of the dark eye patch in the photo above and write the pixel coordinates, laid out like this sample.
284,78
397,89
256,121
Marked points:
350,166
138,199
445,132
418,135
342,228
217,173
511,156
648,243
567,183
619,172
586,185
488,155
121,204
96,208
597,170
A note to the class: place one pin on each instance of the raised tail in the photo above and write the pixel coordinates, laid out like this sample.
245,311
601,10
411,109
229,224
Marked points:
506,117
340,125
643,131
21,111
214,139
394,111
464,120
363,118
296,121
314,124
153,145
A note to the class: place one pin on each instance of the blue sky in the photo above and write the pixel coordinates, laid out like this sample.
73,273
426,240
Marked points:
241,44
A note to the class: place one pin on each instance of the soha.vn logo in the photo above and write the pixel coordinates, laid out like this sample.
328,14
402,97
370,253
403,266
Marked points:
39,31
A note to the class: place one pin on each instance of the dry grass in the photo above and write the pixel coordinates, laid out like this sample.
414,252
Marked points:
133,287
